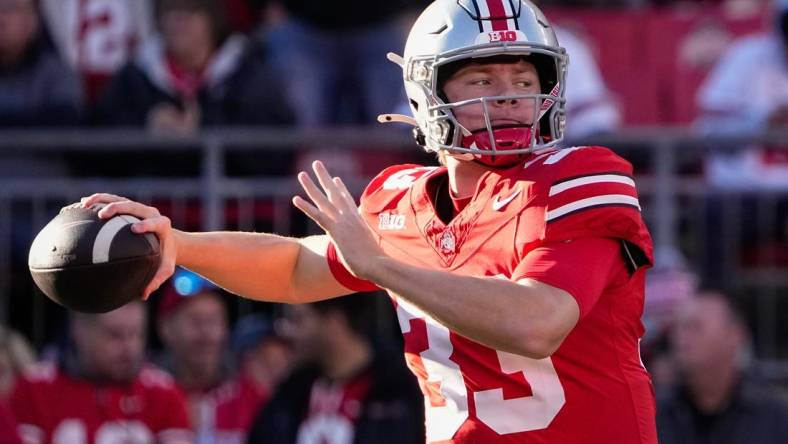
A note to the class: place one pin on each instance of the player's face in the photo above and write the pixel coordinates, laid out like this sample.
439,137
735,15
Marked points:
494,79
111,346
198,332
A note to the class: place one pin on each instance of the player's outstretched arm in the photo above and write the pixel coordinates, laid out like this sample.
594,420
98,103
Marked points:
259,266
528,317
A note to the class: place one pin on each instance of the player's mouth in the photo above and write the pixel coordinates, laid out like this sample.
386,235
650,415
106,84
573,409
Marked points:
506,122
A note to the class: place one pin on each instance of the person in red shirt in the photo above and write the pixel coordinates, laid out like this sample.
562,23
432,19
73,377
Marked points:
516,267
193,325
101,392
346,387
264,359
8,428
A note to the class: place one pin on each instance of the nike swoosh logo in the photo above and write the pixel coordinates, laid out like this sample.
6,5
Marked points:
498,204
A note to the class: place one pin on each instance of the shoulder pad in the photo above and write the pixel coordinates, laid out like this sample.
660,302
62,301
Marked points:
593,194
582,160
385,190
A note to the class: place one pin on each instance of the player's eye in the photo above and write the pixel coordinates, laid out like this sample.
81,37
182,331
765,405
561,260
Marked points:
479,81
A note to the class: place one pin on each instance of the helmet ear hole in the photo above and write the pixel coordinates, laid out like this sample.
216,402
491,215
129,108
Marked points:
414,104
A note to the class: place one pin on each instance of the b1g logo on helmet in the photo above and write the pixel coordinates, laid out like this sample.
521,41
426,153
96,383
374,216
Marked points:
500,36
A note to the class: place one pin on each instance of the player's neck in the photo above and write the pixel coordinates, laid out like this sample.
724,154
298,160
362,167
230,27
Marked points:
463,176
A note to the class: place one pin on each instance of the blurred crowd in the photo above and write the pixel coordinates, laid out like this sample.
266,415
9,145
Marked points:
327,372
313,373
323,372
175,66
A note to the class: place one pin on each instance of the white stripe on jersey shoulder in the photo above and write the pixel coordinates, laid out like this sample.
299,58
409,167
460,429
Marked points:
538,158
402,180
555,158
596,201
591,179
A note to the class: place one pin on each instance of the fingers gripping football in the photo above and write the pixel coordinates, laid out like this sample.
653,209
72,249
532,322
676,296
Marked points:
334,209
151,221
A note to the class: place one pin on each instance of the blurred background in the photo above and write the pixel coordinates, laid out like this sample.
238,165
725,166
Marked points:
207,108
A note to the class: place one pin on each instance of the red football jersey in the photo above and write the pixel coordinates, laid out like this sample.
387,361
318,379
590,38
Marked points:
53,407
334,410
8,427
223,415
569,218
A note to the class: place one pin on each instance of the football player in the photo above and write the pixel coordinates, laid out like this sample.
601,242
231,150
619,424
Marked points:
516,268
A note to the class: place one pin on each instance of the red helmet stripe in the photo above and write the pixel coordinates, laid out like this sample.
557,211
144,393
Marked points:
498,15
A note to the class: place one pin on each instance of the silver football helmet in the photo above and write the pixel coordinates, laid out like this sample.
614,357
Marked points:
452,32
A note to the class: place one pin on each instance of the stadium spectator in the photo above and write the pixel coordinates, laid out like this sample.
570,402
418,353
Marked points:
193,325
333,57
264,360
195,74
747,94
590,106
668,285
261,350
715,400
16,357
346,389
101,391
36,87
96,37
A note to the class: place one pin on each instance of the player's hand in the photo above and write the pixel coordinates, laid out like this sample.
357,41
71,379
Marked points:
151,221
334,209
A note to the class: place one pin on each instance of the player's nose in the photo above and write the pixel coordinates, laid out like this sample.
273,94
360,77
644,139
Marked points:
507,88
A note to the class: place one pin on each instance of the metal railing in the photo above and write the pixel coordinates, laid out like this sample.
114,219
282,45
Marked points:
674,201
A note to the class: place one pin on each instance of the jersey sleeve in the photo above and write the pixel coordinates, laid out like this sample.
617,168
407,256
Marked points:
581,267
593,195
343,276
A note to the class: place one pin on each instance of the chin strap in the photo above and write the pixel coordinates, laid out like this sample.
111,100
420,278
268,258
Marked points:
508,138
